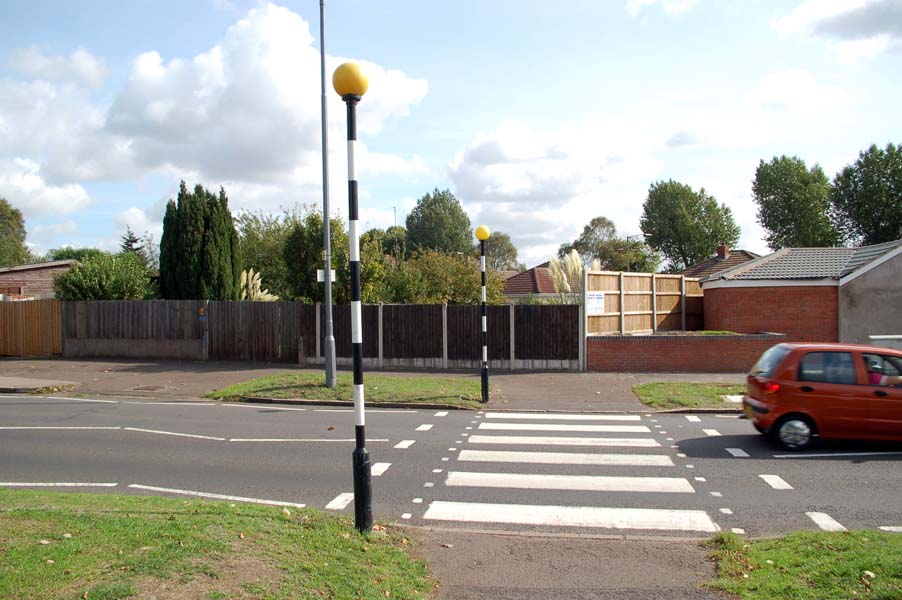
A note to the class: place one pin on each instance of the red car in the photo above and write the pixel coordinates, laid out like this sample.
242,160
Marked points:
797,392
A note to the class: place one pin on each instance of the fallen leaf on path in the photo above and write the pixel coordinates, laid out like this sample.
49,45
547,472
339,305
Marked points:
331,428
447,545
241,535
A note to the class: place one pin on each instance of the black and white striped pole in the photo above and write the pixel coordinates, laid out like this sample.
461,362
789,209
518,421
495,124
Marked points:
351,85
482,234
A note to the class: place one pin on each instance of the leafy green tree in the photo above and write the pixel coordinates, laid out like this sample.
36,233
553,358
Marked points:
12,236
132,244
431,277
600,240
684,225
500,253
104,277
199,253
303,254
394,242
867,197
438,222
70,253
262,240
793,204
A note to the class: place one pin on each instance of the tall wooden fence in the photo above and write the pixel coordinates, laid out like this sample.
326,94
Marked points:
643,303
30,328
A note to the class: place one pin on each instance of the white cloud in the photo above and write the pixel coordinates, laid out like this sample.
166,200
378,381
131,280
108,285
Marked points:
55,228
22,183
673,7
80,66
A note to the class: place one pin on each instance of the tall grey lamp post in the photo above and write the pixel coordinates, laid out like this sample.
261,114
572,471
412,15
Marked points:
351,85
329,350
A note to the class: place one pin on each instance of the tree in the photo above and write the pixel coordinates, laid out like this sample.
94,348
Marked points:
70,253
500,253
684,225
793,204
199,253
866,201
439,223
431,277
303,254
104,277
12,236
600,240
132,244
593,242
262,241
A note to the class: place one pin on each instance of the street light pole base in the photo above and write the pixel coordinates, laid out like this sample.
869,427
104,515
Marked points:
485,383
363,491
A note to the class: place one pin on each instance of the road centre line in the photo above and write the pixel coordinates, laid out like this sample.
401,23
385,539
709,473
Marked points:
60,428
693,419
737,452
341,501
188,435
566,458
592,483
776,482
561,417
563,441
572,516
168,403
55,484
825,521
268,408
827,455
343,440
78,399
369,410
557,427
212,496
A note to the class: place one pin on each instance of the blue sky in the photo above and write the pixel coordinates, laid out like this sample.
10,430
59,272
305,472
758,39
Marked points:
539,116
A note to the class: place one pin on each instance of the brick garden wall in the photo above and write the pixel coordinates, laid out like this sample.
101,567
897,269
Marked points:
678,353
803,313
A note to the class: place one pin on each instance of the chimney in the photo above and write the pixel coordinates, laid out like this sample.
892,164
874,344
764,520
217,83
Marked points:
723,252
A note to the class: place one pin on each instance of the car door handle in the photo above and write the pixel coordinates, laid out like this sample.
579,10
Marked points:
880,393
807,388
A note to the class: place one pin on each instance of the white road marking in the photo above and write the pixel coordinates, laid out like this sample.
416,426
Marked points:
891,528
188,435
452,449
563,441
738,452
717,494
776,482
341,501
825,521
428,484
828,455
55,484
572,516
727,416
702,479
669,439
405,444
437,470
417,500
711,432
566,458
406,515
424,427
61,428
681,455
343,440
726,511
658,427
267,407
562,417
557,427
468,428
151,488
441,413
168,403
78,399
369,410
445,459
379,468
738,531
690,466
592,483
693,419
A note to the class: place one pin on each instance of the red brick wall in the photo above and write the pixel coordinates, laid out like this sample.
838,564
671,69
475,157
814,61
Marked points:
803,313
678,353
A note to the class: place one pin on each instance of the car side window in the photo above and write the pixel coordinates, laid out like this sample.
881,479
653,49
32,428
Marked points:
883,369
828,367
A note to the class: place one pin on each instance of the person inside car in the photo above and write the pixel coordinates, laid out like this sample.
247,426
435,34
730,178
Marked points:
876,376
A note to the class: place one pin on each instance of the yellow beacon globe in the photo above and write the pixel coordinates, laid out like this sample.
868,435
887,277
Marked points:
482,233
349,80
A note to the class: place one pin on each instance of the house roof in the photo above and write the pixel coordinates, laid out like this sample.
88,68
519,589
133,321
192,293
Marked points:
43,265
536,280
716,263
807,263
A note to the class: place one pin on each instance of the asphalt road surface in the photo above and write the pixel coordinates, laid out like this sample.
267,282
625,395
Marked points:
642,475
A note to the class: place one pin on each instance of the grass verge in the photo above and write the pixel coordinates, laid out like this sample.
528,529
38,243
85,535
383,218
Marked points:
455,391
685,395
810,566
72,546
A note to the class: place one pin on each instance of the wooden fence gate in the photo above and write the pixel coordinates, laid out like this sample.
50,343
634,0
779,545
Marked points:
30,328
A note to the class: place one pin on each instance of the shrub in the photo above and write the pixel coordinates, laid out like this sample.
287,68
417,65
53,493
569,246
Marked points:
104,277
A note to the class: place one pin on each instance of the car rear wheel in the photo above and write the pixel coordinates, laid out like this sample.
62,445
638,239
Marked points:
794,432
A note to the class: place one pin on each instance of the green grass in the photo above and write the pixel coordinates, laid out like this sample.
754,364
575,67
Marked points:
455,391
685,395
133,546
810,566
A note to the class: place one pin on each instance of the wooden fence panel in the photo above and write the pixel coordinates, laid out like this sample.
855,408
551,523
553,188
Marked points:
261,331
341,329
412,331
134,319
465,332
646,303
549,332
30,328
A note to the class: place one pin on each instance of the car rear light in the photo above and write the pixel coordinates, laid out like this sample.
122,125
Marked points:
771,387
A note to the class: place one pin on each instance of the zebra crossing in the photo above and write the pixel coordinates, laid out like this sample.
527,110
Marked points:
564,471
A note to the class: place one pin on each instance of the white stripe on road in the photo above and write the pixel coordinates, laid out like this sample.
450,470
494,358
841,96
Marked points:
711,432
441,413
61,428
556,427
827,455
572,516
151,488
343,440
78,399
424,427
188,435
405,444
169,403
566,458
693,419
776,482
738,452
564,441
561,417
891,528
341,501
379,468
55,484
592,483
267,407
825,521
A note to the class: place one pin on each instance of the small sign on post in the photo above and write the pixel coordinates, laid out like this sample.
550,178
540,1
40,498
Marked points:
595,304
321,275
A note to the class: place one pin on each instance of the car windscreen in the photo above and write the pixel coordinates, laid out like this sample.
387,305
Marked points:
769,361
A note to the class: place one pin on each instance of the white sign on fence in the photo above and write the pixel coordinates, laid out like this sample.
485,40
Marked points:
321,275
595,304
